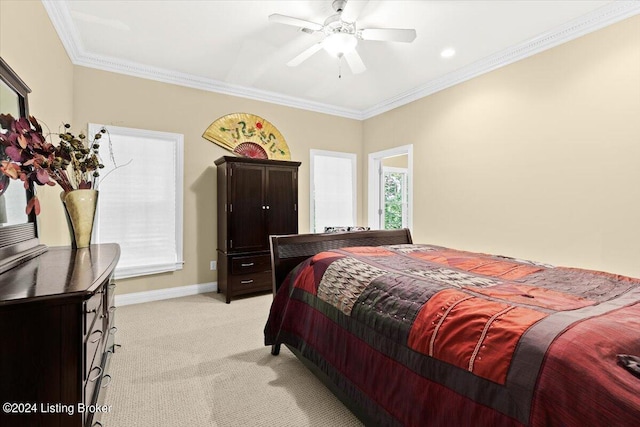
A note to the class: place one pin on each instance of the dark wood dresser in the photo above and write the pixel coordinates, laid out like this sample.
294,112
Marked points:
57,337
256,198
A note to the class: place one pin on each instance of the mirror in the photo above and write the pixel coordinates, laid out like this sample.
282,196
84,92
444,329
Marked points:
18,231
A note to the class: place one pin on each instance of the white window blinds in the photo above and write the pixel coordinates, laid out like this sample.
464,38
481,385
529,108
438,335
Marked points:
333,189
140,202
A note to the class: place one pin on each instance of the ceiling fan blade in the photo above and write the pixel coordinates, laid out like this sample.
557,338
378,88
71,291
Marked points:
305,55
389,34
352,10
355,62
296,22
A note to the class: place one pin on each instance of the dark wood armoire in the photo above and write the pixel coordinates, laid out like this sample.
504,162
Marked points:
256,198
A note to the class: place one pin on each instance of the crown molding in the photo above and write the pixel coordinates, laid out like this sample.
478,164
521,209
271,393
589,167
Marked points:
63,23
60,17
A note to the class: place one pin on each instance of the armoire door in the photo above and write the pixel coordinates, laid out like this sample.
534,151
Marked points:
247,208
282,200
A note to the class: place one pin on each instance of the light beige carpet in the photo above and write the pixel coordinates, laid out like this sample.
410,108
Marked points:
196,361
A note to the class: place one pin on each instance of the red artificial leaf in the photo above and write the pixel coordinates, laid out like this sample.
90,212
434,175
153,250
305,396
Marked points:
4,183
42,176
14,153
22,125
35,124
22,140
10,169
33,205
84,185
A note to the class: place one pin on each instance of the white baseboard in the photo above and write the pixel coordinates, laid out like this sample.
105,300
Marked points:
160,294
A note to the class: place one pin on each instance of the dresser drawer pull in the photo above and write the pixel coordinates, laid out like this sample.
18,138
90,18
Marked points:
106,377
97,339
246,282
99,368
112,285
248,264
113,330
112,309
95,310
97,424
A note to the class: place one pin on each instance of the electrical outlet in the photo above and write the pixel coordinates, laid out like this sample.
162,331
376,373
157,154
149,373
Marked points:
213,265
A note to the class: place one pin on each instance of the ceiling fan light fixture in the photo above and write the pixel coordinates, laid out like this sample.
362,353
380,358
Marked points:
338,44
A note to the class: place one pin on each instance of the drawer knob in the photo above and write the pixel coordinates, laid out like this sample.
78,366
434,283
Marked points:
99,336
99,368
108,378
113,330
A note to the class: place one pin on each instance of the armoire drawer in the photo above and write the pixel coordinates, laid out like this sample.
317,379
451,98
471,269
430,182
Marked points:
255,281
250,264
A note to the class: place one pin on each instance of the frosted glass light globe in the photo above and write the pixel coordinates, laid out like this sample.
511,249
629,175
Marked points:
339,43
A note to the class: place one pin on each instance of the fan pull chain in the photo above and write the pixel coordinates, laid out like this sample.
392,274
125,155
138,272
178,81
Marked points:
340,55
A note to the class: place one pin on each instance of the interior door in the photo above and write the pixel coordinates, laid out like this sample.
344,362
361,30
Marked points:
247,207
282,200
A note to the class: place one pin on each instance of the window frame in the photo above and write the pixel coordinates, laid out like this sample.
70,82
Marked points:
178,140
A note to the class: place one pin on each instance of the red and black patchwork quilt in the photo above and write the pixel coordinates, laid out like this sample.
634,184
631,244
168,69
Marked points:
424,335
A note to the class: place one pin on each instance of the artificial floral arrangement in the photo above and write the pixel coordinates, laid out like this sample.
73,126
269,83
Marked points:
27,155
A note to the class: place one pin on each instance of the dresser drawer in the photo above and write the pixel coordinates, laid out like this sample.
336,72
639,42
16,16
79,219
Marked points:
111,293
250,264
90,385
94,343
92,308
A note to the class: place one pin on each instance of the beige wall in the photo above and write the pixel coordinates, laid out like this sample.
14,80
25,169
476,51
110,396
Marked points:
109,98
30,45
396,161
539,159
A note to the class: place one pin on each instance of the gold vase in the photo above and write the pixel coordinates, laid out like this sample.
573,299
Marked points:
80,209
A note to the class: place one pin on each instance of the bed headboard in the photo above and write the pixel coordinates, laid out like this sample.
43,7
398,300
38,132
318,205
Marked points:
290,250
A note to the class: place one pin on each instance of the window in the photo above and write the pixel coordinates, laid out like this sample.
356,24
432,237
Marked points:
140,202
333,189
394,196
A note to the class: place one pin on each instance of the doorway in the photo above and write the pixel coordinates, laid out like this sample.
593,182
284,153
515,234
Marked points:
390,196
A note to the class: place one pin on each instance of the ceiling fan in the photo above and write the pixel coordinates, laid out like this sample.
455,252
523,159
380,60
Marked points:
341,34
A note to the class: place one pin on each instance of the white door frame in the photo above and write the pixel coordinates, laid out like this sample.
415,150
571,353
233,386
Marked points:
374,169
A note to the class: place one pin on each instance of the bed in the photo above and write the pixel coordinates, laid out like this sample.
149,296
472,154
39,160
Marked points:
413,334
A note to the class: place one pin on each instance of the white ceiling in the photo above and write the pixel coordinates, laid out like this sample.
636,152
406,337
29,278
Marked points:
231,47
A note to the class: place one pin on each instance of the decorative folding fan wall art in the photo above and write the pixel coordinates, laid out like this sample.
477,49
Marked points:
248,135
